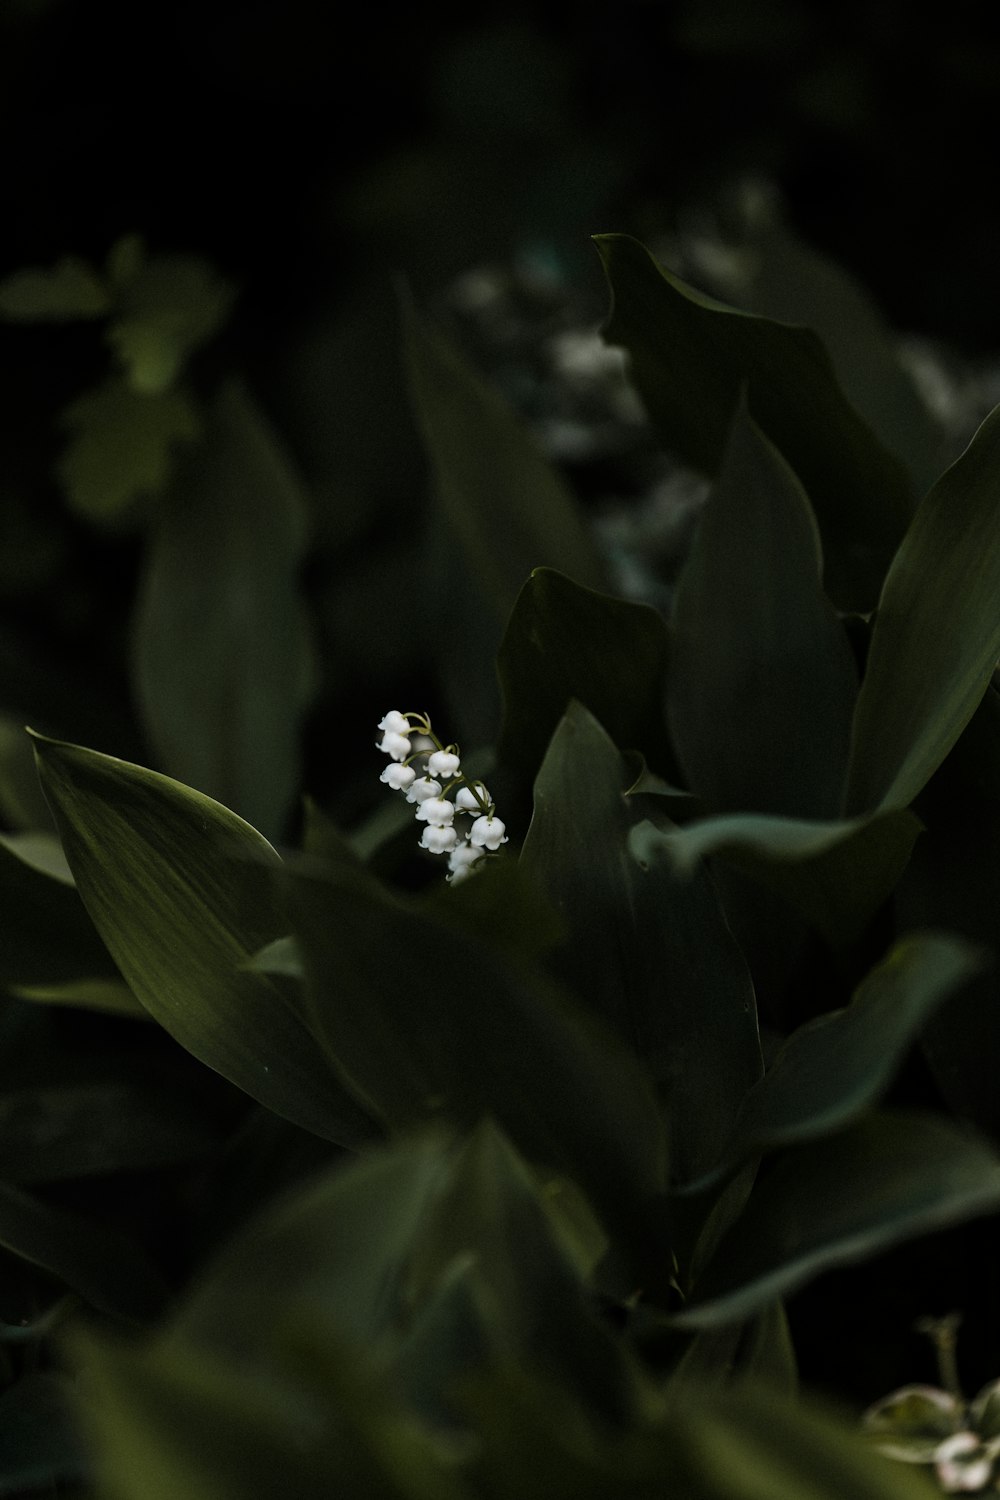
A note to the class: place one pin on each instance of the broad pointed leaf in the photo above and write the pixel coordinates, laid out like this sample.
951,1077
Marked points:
936,637
890,1177
833,1068
181,890
757,647
563,642
647,949
690,358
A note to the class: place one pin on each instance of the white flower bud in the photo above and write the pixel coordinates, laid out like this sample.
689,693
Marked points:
489,832
437,811
395,722
437,839
461,859
443,763
398,777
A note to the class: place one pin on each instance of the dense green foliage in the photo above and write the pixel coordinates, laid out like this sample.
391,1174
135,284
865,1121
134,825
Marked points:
320,1174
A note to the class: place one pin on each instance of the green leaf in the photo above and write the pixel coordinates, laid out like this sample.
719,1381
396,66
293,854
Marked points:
428,1022
936,637
46,936
757,646
107,1269
122,449
836,1066
564,642
835,874
890,1177
794,283
165,309
181,890
505,503
223,662
691,357
111,996
648,950
70,290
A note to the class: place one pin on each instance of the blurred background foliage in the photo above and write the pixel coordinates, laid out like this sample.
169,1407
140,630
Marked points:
214,214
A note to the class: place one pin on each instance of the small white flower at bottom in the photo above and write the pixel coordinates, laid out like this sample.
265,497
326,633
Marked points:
460,861
437,839
489,832
397,776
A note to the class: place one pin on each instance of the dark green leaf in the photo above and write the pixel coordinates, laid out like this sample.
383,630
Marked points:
223,662
71,290
563,642
936,637
889,1177
833,1068
112,996
648,950
506,504
182,892
835,874
426,1022
757,647
110,1272
690,358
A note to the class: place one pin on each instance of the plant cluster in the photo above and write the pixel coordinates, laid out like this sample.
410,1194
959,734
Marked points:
324,1175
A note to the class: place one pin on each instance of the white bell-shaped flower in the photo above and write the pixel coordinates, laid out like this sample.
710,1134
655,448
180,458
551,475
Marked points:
437,811
461,859
423,788
489,832
467,801
443,763
437,839
396,745
398,777
395,722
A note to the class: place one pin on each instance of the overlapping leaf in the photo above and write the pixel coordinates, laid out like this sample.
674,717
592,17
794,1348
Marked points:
757,647
936,637
690,358
181,891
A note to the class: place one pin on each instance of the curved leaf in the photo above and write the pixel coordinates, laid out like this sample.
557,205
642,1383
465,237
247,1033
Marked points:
564,641
181,890
835,874
648,950
691,356
936,637
756,645
888,1178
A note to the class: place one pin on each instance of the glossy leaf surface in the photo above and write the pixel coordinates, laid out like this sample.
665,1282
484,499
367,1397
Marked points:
181,890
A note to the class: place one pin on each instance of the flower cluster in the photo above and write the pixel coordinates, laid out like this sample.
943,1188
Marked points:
413,747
